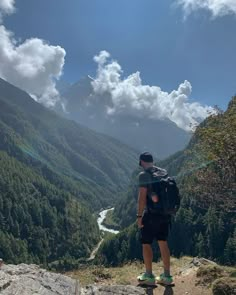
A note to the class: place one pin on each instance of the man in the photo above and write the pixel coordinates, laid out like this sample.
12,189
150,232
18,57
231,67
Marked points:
152,226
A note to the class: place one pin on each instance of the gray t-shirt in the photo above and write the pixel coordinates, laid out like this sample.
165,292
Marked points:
145,179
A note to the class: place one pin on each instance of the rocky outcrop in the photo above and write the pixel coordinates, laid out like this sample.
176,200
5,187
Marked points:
112,290
26,279
199,277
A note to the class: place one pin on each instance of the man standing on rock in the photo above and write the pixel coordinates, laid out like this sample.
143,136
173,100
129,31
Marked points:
152,226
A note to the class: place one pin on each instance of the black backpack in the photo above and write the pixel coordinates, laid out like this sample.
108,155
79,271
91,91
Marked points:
163,194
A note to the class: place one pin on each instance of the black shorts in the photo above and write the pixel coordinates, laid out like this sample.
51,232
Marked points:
154,227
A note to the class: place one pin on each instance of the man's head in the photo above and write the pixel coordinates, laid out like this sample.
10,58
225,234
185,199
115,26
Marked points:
145,160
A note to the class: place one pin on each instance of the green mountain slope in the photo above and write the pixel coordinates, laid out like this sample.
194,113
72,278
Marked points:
206,174
38,136
53,169
40,222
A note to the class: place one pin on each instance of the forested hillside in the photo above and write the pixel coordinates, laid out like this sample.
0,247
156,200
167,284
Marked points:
54,174
206,174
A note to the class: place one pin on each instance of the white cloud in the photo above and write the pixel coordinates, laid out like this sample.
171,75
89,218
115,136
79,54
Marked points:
6,7
102,57
32,65
130,96
216,7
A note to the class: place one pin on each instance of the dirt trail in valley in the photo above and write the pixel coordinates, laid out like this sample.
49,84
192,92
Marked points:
94,252
101,217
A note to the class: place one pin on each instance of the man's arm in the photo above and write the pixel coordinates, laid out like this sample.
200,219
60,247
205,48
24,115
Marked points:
142,199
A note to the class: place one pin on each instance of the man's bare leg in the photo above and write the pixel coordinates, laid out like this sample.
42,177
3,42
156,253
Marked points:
165,256
148,256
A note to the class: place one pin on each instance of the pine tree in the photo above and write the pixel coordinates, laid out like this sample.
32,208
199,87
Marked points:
201,246
230,250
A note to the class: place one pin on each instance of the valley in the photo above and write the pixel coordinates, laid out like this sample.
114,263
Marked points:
55,174
95,96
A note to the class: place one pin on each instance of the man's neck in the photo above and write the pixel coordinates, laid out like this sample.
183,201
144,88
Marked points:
148,167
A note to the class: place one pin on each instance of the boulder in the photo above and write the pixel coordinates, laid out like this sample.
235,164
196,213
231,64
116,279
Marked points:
26,279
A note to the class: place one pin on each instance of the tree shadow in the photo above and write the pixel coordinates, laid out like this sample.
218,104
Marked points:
149,291
168,291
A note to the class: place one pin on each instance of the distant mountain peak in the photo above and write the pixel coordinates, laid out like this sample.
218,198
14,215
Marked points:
89,109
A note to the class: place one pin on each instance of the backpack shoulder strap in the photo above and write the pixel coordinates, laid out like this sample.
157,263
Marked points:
156,175
159,172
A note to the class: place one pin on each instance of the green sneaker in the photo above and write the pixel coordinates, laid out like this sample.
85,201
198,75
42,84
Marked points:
146,279
165,280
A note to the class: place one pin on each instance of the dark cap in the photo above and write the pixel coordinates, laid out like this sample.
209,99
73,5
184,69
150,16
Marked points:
146,157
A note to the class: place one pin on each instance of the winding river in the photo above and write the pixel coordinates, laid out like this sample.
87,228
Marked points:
102,216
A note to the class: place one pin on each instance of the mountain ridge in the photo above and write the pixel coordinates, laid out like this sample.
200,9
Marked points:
54,130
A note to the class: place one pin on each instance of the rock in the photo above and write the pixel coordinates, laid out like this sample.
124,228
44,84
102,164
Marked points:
224,286
195,264
26,279
112,290
202,261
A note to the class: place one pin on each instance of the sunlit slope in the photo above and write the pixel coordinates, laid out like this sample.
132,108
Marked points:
206,174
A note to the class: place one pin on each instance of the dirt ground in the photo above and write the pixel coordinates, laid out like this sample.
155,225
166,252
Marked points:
185,277
184,284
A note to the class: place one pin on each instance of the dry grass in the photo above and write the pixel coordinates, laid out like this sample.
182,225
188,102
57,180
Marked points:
210,277
207,274
224,286
123,275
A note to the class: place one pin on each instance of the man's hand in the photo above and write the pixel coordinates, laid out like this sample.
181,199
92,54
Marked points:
139,222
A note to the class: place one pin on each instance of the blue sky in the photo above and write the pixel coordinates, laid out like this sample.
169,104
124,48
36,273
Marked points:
150,36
